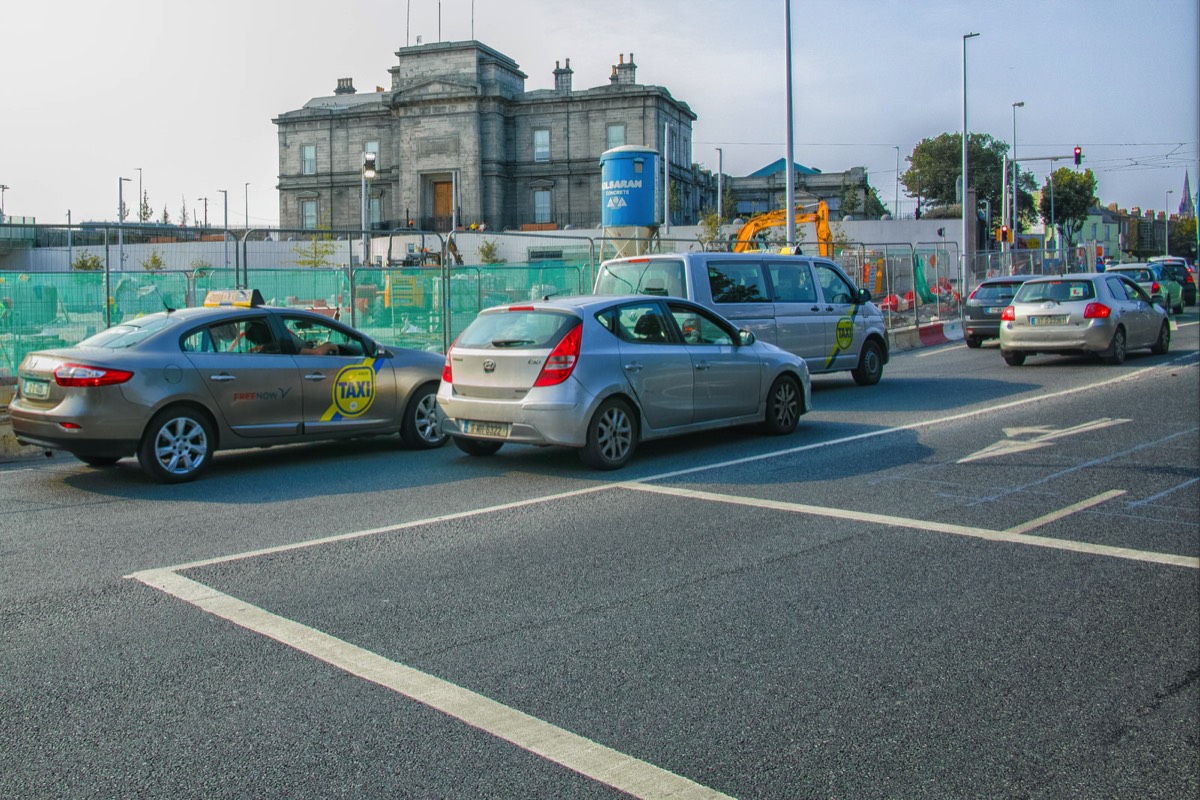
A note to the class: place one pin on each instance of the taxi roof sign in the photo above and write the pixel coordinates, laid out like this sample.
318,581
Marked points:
242,298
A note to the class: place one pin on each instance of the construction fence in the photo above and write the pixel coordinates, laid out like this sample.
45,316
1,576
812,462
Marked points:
409,288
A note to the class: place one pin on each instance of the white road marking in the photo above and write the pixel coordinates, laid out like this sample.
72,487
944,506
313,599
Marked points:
1066,512
1153,498
1046,435
934,351
939,527
590,759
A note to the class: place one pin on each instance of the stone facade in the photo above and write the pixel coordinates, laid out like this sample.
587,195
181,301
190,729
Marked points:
457,123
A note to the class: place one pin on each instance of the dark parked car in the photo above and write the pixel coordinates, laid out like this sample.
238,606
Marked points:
981,314
1177,269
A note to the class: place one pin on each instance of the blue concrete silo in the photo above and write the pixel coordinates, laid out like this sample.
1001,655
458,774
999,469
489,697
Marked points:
630,188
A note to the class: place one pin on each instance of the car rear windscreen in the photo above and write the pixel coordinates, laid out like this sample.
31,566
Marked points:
1064,291
996,291
517,329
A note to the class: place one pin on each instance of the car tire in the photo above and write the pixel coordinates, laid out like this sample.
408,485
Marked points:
1178,309
973,342
1116,350
1163,343
99,461
477,447
421,427
611,436
785,404
177,445
870,365
1013,358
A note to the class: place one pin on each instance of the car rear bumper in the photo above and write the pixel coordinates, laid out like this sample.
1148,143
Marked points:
1091,338
536,419
39,430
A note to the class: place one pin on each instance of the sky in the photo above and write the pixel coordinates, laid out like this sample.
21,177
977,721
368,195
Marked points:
181,96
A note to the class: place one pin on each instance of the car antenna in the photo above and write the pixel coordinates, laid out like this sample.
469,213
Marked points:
548,296
167,307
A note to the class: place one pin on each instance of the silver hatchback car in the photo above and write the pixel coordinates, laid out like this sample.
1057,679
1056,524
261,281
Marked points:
603,373
1102,313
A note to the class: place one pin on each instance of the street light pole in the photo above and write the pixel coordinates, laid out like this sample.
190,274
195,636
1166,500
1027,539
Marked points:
791,156
720,185
896,205
120,250
962,275
368,171
1016,204
139,213
3,189
225,234
1167,223
247,189
205,199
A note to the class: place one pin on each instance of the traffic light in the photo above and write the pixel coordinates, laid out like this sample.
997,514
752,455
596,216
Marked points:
1003,234
1078,155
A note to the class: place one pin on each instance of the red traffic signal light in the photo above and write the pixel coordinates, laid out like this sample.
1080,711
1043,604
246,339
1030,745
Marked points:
1002,235
1078,155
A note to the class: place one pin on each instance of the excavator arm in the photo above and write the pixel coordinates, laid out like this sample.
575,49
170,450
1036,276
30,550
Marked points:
746,239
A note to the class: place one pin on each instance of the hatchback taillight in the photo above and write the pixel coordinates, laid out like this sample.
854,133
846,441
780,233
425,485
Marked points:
447,370
1096,311
1189,279
562,359
1008,314
83,375
1155,288
971,296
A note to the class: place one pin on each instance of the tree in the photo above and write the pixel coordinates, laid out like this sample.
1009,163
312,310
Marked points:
936,165
316,252
145,212
166,217
183,215
1183,238
850,196
88,262
874,207
1074,197
154,262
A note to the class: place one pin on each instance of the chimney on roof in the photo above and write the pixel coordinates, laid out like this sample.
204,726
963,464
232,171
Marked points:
624,72
562,77
345,86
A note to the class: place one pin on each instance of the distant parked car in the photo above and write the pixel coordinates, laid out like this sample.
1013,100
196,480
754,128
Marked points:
981,312
1178,270
1106,314
601,374
1156,283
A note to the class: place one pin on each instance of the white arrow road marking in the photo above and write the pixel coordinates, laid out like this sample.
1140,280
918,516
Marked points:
1045,435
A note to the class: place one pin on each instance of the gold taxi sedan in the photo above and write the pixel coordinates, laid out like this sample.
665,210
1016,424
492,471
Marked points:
174,387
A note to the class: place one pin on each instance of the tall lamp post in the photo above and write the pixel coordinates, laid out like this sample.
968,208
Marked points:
1167,223
791,155
247,189
120,249
896,206
720,185
225,230
3,189
1016,201
139,213
205,199
368,173
962,275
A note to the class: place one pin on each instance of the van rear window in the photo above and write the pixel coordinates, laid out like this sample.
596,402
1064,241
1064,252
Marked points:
662,277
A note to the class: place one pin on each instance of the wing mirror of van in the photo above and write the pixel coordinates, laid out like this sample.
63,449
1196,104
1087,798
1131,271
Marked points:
863,297
745,337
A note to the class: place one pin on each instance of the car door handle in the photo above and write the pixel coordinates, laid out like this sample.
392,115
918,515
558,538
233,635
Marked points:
222,377
829,308
815,308
315,376
702,365
633,366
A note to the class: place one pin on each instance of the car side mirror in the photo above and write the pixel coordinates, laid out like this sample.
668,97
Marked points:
864,297
746,338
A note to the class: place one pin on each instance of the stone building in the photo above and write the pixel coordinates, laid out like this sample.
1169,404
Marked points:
459,140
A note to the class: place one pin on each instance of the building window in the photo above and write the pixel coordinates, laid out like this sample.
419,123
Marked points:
308,159
541,205
616,136
308,214
541,145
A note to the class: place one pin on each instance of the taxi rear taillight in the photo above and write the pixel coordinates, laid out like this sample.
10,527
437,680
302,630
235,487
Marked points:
84,375
1155,288
1009,314
562,360
1096,311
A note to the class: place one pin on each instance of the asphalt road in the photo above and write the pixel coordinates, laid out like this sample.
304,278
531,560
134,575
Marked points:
972,580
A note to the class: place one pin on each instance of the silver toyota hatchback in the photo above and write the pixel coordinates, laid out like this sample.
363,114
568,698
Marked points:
1100,313
601,374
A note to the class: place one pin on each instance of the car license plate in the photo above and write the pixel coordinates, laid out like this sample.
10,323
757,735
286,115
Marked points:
1057,319
38,390
995,309
486,428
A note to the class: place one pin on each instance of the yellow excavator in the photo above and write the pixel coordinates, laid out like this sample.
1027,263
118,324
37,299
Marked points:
746,239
